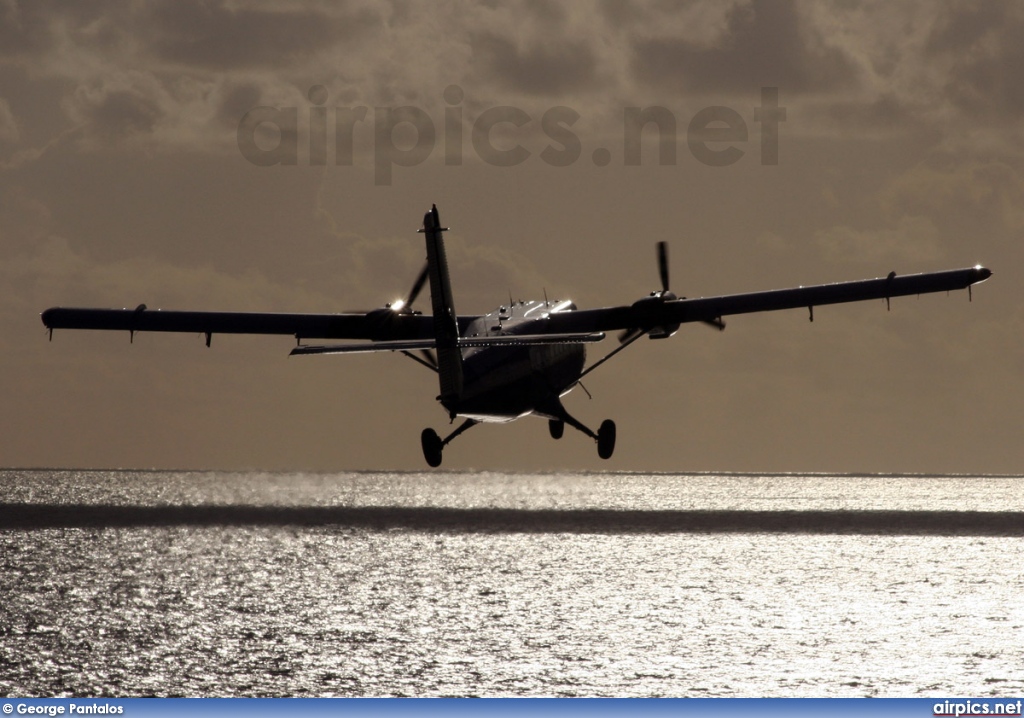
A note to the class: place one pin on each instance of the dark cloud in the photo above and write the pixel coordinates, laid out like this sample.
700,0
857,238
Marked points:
982,44
8,126
883,115
964,27
24,30
118,114
542,68
549,13
765,45
30,29
616,12
197,33
236,101
218,37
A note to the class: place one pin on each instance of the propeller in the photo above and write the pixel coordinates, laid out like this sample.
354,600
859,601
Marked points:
384,317
631,335
383,321
418,284
663,265
404,306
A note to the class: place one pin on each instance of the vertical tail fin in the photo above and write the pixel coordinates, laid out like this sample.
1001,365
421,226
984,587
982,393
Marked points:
446,324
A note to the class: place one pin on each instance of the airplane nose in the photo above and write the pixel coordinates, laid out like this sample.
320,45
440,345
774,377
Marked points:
982,273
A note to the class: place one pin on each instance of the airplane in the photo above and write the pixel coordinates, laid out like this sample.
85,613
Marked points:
517,360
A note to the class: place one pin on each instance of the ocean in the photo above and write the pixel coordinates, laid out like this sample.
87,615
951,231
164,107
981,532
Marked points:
142,583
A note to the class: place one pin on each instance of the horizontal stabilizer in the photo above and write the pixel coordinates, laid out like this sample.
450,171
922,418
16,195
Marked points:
507,340
366,348
501,340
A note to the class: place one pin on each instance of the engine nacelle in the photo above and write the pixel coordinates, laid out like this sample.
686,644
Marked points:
649,310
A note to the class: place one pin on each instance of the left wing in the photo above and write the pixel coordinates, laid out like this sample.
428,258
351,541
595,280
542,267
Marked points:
385,329
378,325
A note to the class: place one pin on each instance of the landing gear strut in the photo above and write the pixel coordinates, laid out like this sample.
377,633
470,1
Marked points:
605,436
433,445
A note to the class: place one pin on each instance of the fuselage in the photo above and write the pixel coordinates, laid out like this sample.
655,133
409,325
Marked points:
504,383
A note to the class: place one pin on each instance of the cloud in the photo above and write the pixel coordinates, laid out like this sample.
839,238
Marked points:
54,272
986,196
168,75
8,127
120,108
165,75
912,241
25,29
220,36
882,116
764,44
980,44
543,68
942,205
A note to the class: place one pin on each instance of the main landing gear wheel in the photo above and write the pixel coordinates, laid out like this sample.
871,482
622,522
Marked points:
606,439
432,447
556,428
433,444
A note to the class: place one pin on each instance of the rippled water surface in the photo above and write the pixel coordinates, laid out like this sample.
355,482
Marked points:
381,584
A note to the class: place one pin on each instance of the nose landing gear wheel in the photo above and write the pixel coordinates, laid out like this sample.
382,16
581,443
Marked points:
432,447
556,428
606,439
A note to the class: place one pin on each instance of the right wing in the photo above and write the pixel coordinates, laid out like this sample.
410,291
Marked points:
654,312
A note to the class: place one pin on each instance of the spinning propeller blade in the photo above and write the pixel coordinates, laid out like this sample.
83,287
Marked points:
629,335
663,265
417,286
404,306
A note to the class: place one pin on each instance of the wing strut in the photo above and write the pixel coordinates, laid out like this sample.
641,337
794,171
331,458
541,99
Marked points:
425,360
625,343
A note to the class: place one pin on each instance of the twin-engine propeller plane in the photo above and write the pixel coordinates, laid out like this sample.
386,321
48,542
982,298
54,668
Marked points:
518,360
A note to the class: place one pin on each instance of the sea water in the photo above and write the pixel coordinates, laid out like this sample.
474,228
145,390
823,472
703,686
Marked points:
134,583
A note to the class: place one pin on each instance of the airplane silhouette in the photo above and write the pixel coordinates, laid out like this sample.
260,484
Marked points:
517,360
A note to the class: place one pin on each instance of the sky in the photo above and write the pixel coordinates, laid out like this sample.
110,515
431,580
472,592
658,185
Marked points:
280,156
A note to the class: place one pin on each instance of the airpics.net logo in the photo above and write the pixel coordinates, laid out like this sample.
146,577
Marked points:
407,136
969,709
